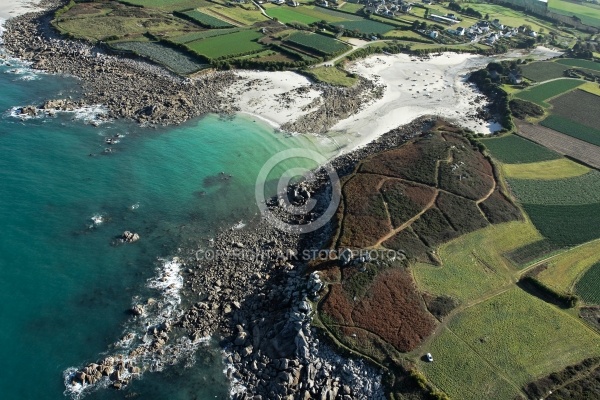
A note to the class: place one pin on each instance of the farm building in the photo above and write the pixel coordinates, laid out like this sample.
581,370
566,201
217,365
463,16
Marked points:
444,20
434,34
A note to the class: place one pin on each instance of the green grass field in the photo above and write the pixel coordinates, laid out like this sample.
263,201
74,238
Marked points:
543,70
246,15
578,190
463,374
594,66
509,16
332,75
588,287
565,269
545,170
566,225
352,7
519,337
572,128
540,93
303,14
234,44
590,87
473,265
513,149
589,14
102,27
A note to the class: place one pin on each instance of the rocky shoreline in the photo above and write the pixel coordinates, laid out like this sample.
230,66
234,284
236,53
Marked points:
251,289
258,295
146,93
128,88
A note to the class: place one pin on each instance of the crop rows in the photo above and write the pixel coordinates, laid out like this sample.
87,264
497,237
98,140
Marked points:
319,43
365,26
543,70
566,225
579,106
226,46
516,150
577,63
582,189
206,20
173,59
538,94
588,286
572,128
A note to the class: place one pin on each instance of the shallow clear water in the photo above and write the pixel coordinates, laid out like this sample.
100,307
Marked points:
64,288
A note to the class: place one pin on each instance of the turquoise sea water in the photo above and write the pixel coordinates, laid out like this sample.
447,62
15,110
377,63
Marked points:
64,289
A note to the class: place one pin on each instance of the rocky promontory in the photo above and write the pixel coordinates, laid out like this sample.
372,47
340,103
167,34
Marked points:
128,88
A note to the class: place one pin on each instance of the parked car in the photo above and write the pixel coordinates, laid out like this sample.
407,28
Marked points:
429,357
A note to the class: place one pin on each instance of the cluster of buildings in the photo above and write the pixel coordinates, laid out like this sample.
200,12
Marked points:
488,32
388,8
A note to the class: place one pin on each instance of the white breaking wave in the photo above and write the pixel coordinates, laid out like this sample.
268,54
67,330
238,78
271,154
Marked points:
135,347
95,115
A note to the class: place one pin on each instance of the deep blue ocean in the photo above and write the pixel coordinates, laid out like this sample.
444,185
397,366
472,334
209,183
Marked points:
64,288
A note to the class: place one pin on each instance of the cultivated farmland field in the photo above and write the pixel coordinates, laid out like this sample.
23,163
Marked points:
523,336
240,15
320,43
512,149
582,189
588,287
473,265
234,44
206,20
175,60
538,94
579,106
572,128
168,5
303,14
587,64
545,170
101,27
566,225
462,373
193,36
563,270
366,26
589,13
542,71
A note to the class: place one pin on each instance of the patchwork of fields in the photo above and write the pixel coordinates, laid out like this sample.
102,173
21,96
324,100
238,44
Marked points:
319,43
173,59
542,71
572,128
579,106
589,13
540,93
513,149
505,342
233,44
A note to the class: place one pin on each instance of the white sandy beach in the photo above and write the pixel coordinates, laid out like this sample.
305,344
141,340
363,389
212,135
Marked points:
12,8
276,97
413,87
